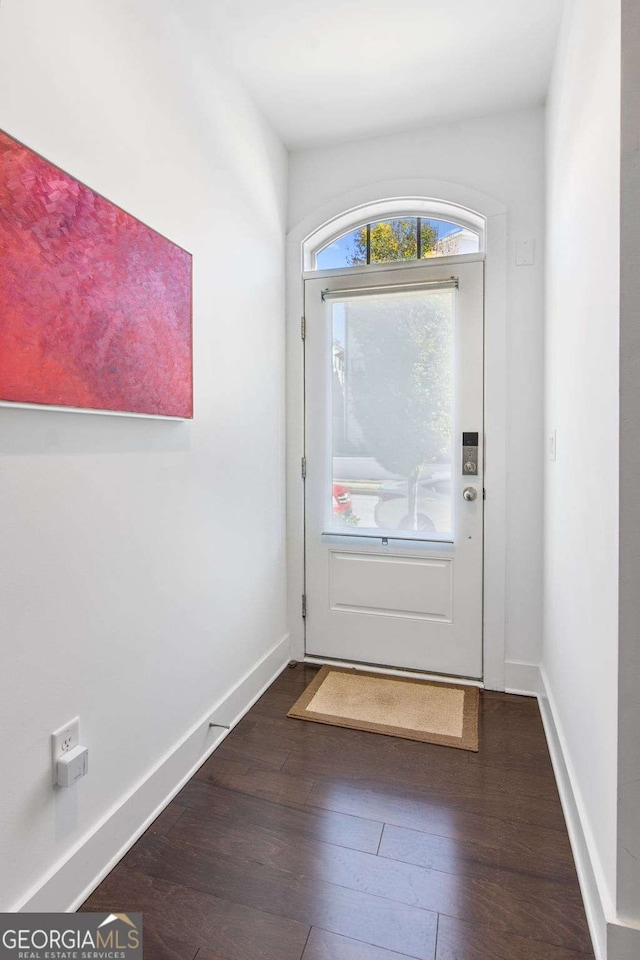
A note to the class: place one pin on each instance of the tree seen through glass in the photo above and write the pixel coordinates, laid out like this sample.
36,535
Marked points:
392,241
396,240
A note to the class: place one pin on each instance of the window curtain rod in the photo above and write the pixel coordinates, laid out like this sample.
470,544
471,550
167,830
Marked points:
388,288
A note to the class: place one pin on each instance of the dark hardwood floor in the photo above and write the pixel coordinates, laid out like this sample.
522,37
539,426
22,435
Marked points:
297,841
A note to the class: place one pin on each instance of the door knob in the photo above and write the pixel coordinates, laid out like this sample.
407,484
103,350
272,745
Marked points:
470,493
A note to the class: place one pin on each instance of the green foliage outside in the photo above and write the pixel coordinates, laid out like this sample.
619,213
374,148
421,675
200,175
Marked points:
393,240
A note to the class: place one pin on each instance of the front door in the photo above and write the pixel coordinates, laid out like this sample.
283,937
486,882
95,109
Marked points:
394,467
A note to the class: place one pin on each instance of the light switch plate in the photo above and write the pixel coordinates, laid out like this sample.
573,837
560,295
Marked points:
524,253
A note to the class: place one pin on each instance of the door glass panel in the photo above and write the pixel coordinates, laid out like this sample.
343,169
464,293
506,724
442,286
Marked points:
392,413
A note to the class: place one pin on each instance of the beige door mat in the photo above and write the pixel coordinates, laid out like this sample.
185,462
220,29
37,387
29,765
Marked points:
442,713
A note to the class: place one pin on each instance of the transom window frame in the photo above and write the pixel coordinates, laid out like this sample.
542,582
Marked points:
392,209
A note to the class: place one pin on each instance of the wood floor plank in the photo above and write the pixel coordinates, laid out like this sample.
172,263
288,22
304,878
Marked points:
323,945
308,900
475,862
208,955
506,841
300,822
255,778
473,899
458,940
237,747
170,815
184,914
165,948
299,676
512,738
246,724
483,790
529,775
320,739
510,697
278,699
524,707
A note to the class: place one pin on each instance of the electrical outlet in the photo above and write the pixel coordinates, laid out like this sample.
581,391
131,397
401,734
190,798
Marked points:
62,741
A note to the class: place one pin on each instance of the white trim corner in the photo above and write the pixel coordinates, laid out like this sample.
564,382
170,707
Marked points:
522,678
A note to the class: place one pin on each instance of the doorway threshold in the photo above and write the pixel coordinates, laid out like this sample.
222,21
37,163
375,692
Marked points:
391,671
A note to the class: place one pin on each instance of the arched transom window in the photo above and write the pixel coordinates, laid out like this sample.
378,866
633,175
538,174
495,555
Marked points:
426,230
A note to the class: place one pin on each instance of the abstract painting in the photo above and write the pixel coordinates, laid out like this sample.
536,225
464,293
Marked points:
95,306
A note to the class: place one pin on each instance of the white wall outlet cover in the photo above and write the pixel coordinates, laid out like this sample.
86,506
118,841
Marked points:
63,740
524,253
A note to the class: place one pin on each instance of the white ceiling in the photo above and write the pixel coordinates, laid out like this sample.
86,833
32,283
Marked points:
342,69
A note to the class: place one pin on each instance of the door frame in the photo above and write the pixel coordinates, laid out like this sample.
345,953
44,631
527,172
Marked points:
495,215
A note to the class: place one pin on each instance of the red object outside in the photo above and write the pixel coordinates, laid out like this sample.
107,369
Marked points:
342,502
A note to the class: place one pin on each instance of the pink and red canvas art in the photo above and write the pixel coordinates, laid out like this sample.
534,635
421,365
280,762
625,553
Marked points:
95,307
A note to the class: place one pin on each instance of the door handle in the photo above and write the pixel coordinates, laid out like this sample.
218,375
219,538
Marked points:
470,493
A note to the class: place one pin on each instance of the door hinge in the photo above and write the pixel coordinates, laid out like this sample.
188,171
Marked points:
484,494
303,327
304,605
303,467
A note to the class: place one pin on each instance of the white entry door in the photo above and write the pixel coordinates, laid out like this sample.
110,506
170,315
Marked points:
394,467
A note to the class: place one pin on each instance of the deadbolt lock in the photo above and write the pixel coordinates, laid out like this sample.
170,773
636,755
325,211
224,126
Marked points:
470,454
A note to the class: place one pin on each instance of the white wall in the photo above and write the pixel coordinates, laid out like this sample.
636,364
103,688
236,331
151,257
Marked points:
142,563
581,500
628,873
500,156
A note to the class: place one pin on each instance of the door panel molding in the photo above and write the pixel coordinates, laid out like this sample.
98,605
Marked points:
368,593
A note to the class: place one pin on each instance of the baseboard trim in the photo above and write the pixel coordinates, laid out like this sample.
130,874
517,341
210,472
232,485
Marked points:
582,845
522,678
73,879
